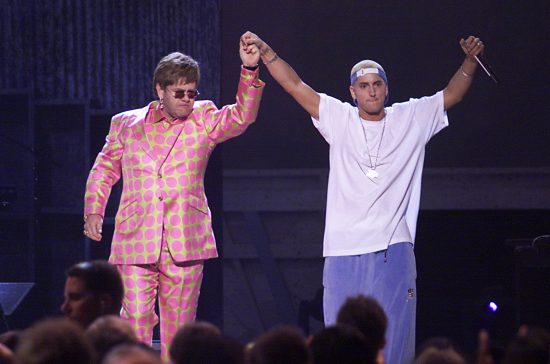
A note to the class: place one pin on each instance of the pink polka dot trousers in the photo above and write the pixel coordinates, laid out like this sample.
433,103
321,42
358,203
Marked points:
177,286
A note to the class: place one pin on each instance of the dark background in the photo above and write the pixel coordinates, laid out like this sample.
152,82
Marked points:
67,66
417,44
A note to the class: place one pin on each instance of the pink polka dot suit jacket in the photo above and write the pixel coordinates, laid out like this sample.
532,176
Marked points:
163,188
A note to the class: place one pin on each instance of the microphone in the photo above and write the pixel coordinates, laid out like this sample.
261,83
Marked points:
487,68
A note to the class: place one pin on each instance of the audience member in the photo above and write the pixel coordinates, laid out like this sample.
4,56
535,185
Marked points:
434,355
486,353
93,296
233,350
92,289
54,341
132,354
342,344
366,315
202,342
8,344
10,339
6,354
280,345
109,331
530,346
439,343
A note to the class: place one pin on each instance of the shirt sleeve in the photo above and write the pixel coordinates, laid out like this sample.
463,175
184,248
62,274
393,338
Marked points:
332,117
430,115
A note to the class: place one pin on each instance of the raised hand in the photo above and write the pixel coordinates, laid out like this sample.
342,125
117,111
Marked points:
249,51
472,46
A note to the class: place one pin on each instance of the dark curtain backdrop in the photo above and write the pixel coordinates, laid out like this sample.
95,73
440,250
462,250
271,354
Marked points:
104,50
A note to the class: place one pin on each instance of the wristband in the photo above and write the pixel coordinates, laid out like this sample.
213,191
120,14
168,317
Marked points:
251,68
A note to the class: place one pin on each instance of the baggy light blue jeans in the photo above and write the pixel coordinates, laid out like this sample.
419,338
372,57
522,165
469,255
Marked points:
390,277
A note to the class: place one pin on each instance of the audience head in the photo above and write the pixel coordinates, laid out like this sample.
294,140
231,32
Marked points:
366,315
439,350
202,342
132,354
531,345
8,344
109,331
6,354
54,341
280,345
341,344
10,339
92,289
433,355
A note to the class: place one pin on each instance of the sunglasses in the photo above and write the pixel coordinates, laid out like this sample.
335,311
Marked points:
180,94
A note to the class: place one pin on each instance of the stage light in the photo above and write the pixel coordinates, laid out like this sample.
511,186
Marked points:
493,307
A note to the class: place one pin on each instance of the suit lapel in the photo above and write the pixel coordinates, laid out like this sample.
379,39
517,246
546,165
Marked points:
140,135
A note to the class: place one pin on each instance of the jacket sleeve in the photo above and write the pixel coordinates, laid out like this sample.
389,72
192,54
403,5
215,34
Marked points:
232,120
106,170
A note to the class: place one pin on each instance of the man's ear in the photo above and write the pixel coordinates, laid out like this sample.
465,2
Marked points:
352,93
105,302
160,91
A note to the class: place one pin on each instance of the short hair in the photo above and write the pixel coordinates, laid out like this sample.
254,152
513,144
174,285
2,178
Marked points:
174,67
365,314
280,345
439,350
341,344
100,277
10,339
433,355
54,341
109,331
531,346
123,351
197,342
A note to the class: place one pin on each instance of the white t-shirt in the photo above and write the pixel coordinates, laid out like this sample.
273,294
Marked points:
366,214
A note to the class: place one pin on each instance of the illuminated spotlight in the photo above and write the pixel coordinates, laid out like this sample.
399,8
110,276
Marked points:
493,307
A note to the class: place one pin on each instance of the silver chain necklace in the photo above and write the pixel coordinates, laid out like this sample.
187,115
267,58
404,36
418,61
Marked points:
372,172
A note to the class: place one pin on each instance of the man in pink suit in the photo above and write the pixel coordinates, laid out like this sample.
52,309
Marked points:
163,229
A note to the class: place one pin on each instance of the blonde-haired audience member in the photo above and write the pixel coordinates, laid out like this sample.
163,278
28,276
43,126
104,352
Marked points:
132,354
109,331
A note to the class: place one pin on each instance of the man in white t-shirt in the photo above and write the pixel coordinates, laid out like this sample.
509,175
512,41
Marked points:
376,161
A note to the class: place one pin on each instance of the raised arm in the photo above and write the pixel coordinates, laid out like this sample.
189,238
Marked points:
462,79
284,74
